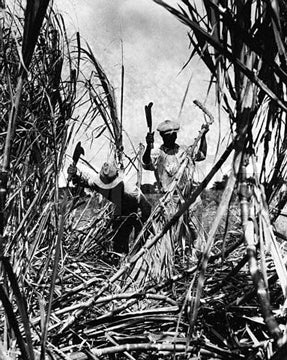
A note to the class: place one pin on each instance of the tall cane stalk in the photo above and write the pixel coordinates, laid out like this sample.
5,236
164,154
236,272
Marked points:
34,16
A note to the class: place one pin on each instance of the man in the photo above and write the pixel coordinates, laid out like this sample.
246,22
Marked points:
131,208
166,161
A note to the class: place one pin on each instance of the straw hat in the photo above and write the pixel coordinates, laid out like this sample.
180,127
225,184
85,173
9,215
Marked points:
168,127
108,177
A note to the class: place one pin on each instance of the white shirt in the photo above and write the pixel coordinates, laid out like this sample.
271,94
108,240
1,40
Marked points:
166,163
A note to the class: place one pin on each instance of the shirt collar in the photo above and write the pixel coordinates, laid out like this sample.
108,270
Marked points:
170,151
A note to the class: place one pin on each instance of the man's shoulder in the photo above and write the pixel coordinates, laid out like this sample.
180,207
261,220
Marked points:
176,150
155,152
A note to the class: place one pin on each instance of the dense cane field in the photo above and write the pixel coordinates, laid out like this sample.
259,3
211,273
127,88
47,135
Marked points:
64,293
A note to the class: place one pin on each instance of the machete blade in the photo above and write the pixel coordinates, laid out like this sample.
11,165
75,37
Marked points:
148,115
78,152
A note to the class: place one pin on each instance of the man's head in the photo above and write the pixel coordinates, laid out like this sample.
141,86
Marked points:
168,131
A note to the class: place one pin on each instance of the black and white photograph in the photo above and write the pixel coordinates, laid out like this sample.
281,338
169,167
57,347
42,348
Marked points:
143,179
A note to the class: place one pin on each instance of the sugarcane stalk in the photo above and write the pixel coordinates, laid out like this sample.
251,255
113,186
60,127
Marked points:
140,170
206,253
169,348
260,285
60,234
121,148
152,241
112,340
22,307
6,155
34,15
248,222
230,275
8,307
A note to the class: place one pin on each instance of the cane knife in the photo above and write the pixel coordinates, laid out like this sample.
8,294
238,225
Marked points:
148,116
76,156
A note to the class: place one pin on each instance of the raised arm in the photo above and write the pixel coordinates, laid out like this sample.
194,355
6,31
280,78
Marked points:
78,179
146,159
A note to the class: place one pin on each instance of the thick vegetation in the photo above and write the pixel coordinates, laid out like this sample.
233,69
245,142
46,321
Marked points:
64,293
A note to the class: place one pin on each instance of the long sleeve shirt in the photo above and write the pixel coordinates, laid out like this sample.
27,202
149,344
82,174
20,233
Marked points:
126,199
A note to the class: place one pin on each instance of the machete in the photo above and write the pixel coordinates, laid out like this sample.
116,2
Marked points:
148,116
76,155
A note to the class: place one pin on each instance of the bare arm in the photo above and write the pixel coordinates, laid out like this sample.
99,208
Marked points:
146,159
80,180
146,156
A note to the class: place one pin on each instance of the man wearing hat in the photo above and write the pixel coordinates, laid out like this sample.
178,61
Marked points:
165,161
131,208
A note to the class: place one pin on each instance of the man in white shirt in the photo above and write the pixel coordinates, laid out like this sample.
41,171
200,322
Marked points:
131,207
166,161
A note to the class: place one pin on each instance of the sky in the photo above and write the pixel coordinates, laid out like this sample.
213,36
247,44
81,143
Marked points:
155,49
